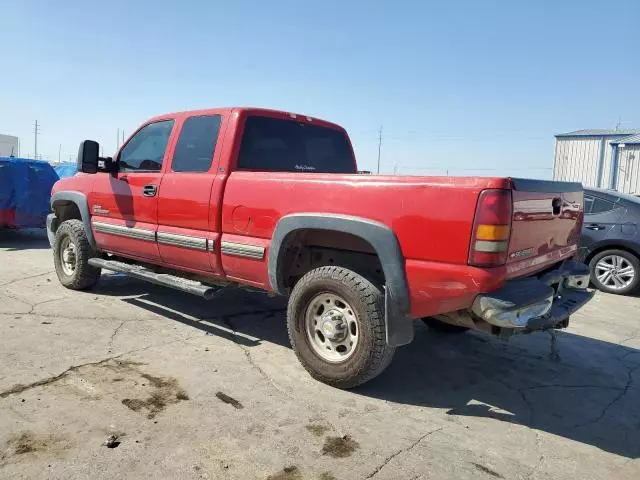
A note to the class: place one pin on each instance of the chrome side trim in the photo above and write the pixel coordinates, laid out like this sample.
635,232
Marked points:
186,241
242,250
121,230
211,245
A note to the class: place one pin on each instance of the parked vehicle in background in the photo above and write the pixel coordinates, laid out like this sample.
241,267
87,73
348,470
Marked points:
25,189
610,242
273,200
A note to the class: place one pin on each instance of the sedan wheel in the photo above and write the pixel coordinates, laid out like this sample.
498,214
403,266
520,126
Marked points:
615,271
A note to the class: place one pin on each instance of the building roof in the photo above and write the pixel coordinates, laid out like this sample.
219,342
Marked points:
601,132
632,140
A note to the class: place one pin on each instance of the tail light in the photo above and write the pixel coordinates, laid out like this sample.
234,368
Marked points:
491,229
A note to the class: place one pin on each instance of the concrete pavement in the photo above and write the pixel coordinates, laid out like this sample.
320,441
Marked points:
211,390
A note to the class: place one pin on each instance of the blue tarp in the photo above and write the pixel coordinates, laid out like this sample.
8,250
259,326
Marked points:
25,189
65,170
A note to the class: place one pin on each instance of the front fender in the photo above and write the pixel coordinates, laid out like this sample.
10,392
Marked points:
80,200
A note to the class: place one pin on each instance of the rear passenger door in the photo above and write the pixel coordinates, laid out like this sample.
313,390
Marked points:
187,212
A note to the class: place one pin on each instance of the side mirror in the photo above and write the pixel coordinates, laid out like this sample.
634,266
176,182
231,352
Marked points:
88,156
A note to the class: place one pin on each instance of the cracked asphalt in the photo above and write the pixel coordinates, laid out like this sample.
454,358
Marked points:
189,389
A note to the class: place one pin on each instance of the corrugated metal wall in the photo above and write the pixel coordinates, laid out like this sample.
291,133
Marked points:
629,169
576,160
606,163
9,145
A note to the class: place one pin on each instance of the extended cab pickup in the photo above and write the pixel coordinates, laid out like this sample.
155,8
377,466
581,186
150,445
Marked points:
273,200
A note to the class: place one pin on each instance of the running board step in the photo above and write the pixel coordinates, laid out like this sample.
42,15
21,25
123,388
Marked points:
190,286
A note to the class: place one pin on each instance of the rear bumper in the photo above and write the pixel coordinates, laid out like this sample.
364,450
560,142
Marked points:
541,303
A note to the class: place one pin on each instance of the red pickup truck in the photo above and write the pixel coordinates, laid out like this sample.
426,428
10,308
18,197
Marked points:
273,200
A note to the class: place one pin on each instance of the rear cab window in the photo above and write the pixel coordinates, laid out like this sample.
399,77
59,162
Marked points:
282,145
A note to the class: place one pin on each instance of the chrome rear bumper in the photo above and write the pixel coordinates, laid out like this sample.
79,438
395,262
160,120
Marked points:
536,303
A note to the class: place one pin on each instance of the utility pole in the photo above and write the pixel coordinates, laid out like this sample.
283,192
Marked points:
59,151
122,136
36,130
117,139
379,147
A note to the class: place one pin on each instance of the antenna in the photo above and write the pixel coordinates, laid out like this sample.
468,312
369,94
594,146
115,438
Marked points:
379,147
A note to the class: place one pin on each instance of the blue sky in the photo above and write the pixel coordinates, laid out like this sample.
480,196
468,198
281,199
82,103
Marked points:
459,87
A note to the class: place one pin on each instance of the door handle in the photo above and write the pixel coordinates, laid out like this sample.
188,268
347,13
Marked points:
149,190
594,226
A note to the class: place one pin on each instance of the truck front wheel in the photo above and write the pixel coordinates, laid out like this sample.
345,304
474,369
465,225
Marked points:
335,320
71,254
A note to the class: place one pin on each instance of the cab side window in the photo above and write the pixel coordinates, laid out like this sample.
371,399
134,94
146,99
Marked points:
145,151
196,144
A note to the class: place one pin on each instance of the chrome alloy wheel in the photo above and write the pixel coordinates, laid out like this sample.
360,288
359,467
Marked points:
332,328
615,272
68,257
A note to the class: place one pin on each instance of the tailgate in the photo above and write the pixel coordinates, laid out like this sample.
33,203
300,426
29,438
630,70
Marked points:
545,226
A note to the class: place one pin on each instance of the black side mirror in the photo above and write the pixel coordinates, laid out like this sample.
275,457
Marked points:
88,156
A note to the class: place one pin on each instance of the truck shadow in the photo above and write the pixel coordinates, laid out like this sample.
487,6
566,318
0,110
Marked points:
244,316
588,396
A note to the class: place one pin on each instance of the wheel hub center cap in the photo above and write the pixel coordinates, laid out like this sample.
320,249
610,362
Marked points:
67,256
333,326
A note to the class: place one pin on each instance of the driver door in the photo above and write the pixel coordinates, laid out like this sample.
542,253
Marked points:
124,205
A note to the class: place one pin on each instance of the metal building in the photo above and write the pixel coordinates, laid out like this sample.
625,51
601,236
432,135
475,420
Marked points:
9,145
599,158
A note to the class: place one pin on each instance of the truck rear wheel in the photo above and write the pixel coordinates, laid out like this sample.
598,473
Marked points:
71,254
335,320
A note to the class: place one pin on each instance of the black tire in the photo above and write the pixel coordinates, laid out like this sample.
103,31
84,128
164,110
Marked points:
443,327
630,258
371,354
84,275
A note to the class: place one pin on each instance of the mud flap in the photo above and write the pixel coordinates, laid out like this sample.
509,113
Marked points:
399,328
